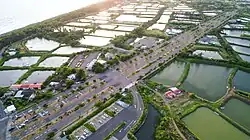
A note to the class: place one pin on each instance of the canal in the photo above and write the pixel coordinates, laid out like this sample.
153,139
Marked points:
146,132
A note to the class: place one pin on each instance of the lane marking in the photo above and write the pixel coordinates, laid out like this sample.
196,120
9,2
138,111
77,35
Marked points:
128,125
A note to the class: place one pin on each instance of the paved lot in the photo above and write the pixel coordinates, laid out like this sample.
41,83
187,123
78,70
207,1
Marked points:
81,61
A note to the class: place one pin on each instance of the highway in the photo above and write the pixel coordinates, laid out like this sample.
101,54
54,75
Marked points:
125,76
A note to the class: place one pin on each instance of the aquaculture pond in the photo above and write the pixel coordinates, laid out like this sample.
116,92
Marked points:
208,125
241,81
208,54
236,33
107,33
38,44
238,111
38,77
240,49
23,61
94,41
238,41
207,81
54,61
9,77
245,57
170,75
69,50
146,132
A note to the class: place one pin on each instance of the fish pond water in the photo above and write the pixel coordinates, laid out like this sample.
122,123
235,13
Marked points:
208,125
9,77
238,111
170,75
21,62
207,81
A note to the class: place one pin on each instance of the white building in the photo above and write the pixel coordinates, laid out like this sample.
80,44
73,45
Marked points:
109,56
10,109
71,77
91,64
103,62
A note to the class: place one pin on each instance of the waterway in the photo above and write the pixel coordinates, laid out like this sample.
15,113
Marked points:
146,132
207,81
16,14
170,75
238,111
208,125
241,81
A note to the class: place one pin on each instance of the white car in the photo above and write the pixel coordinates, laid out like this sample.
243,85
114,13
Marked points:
83,137
91,123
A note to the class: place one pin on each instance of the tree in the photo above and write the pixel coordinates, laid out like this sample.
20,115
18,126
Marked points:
51,135
69,83
98,68
80,75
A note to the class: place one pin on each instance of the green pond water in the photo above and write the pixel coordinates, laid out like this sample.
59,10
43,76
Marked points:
207,125
170,75
241,81
238,111
207,81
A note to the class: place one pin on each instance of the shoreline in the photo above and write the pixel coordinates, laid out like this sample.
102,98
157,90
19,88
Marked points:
5,38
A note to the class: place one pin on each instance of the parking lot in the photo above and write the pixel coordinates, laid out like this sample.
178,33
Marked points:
81,61
97,122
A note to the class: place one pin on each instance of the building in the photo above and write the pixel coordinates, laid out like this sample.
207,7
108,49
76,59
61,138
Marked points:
109,56
10,109
122,104
170,94
25,86
71,77
103,62
175,90
91,64
27,94
54,84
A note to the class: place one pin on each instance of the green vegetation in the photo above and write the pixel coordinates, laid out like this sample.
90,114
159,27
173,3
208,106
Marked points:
69,83
3,91
120,42
98,68
184,75
128,98
101,108
115,130
110,113
50,135
90,127
231,76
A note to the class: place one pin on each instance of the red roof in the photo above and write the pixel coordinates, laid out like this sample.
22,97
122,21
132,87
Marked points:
168,93
26,86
